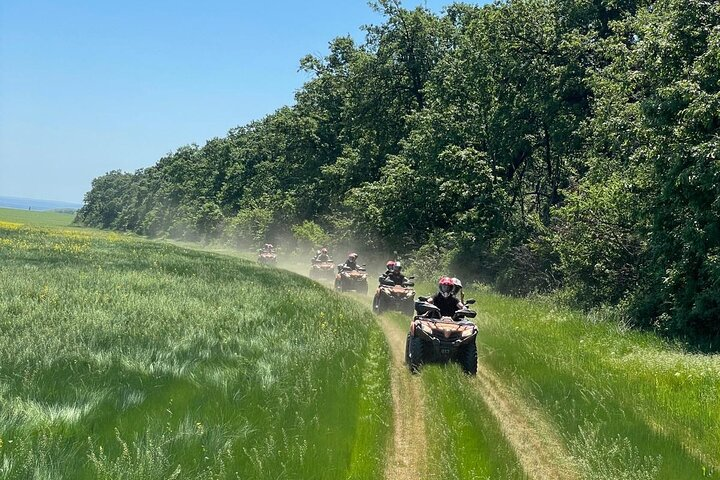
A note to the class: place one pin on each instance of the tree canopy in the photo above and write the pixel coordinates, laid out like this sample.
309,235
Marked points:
533,144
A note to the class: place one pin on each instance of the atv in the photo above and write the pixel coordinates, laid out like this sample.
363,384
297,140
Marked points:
348,279
267,258
434,338
390,296
323,271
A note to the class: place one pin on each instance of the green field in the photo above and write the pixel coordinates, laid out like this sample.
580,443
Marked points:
627,405
48,219
125,358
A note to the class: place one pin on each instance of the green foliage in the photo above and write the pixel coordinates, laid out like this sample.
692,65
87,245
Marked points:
558,144
248,225
309,235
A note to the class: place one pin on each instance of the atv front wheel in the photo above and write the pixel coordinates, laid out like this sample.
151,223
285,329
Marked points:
379,304
407,349
415,354
467,358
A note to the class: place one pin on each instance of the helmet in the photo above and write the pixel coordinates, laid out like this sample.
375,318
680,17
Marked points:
397,267
458,285
446,286
353,256
323,250
390,265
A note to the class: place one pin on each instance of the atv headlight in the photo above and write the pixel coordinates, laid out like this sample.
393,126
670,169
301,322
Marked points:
426,328
466,333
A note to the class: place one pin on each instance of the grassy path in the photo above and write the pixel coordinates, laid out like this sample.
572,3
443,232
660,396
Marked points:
541,453
409,435
532,440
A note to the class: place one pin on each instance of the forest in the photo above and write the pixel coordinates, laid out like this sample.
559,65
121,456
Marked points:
564,147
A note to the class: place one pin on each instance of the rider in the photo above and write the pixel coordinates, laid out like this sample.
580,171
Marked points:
396,275
445,300
268,248
458,291
351,262
389,266
321,256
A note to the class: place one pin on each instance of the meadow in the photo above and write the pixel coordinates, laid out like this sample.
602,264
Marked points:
126,358
626,404
122,357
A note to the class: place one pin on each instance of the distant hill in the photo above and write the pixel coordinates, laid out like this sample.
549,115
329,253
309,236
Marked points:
37,205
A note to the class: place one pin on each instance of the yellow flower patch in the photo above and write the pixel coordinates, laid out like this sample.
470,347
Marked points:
10,226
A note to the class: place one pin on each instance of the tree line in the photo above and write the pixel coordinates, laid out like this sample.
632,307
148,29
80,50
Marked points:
564,146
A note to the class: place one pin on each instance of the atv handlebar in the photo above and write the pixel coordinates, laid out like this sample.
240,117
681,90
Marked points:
422,307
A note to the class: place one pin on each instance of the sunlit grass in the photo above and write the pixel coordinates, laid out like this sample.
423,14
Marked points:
627,404
124,358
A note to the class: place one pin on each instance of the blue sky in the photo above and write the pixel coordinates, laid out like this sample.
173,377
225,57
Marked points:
88,86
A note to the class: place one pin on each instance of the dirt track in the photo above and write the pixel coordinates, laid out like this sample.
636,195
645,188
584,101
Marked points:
541,454
538,449
408,405
535,443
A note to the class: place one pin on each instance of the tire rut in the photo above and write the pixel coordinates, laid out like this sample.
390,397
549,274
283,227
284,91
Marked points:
408,404
539,450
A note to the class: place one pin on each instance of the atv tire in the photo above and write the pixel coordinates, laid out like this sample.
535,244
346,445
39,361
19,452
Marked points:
407,350
467,358
363,289
416,350
379,304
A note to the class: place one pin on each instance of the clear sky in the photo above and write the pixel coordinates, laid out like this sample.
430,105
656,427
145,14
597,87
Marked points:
91,86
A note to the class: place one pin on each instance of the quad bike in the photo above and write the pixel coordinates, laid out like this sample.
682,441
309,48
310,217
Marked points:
390,296
433,338
348,279
323,271
267,258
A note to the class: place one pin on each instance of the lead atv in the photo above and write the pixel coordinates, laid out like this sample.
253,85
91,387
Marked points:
390,296
434,338
322,271
348,279
267,258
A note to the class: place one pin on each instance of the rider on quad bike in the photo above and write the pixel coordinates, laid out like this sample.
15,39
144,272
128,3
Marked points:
351,262
440,331
321,256
267,255
394,273
389,267
350,276
395,291
458,291
445,299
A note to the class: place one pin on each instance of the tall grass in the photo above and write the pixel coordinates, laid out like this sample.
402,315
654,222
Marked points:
124,358
628,405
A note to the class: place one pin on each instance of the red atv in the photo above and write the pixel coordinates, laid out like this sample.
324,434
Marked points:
348,280
323,271
434,338
389,296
